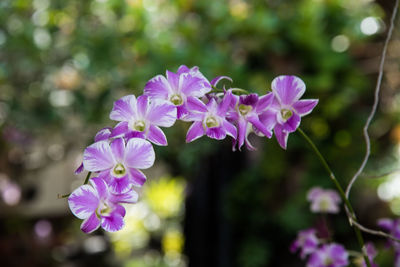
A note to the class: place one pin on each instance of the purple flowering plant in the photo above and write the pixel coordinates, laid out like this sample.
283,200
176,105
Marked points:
119,153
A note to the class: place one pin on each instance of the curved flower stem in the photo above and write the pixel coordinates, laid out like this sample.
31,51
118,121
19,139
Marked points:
85,182
375,104
352,215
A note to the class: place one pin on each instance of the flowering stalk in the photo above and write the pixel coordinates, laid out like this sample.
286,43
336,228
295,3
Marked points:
346,201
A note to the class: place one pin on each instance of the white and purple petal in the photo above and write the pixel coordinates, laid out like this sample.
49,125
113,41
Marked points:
264,102
288,89
124,109
118,149
120,129
292,123
137,177
83,201
112,223
90,224
100,186
196,105
98,157
129,197
139,154
195,131
156,136
158,88
281,135
103,134
120,185
305,106
161,113
216,133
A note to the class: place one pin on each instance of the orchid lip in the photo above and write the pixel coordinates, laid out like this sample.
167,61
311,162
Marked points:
119,170
245,109
176,100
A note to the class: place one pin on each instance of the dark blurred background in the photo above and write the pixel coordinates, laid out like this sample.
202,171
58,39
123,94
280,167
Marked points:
64,63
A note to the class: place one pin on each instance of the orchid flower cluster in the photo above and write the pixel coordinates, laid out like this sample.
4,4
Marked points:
118,154
321,253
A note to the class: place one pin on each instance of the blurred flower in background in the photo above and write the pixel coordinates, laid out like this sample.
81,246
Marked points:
152,235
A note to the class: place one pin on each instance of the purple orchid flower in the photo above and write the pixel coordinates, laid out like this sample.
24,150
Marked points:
245,113
371,253
118,163
103,134
324,201
392,226
141,118
329,255
209,119
178,87
306,241
97,206
287,106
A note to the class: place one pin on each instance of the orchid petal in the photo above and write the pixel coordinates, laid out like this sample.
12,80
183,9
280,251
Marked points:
292,123
139,153
162,113
195,131
124,109
79,169
120,185
138,178
305,106
281,135
98,157
158,88
83,201
173,79
230,129
259,126
225,104
120,130
195,104
142,104
129,197
288,89
157,136
100,186
193,86
216,133
118,149
264,102
103,134
112,223
242,128
90,224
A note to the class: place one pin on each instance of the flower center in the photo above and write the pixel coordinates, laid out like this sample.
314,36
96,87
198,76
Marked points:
286,114
139,126
328,261
324,204
119,170
211,122
176,100
245,109
103,210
